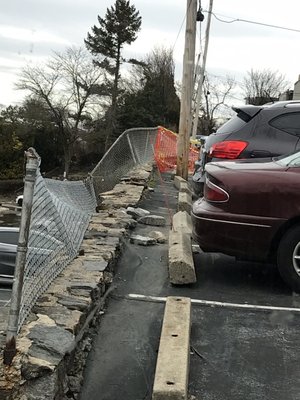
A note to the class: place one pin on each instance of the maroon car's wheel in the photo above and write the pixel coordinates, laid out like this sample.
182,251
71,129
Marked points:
288,258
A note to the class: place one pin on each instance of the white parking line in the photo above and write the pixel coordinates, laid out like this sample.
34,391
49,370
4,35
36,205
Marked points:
141,297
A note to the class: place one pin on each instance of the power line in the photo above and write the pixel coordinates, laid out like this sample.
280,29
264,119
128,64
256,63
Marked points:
224,78
181,26
254,23
200,37
236,98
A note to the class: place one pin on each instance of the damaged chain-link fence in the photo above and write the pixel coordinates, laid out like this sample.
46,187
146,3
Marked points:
133,147
61,212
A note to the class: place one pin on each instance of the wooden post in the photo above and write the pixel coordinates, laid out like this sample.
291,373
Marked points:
185,122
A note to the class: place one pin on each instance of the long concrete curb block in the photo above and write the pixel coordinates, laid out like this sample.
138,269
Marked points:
182,221
172,367
181,263
184,187
177,181
184,202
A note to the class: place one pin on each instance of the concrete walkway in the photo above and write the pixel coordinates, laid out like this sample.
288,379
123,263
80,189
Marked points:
235,354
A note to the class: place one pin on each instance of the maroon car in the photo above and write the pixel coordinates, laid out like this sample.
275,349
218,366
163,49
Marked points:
252,211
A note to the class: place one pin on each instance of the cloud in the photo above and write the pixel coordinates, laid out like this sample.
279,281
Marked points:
30,35
30,30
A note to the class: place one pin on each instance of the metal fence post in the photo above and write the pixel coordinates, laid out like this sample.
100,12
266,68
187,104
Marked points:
133,155
32,164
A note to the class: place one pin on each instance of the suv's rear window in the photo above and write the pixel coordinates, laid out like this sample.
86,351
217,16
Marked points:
232,125
287,122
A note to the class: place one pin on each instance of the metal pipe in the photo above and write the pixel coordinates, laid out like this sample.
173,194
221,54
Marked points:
133,155
32,165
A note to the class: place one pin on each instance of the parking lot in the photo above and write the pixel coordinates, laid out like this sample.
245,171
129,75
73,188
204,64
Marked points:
235,353
7,218
5,293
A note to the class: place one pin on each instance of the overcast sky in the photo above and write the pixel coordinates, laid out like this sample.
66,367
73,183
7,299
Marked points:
31,29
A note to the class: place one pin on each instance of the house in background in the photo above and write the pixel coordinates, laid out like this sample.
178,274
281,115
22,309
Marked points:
292,94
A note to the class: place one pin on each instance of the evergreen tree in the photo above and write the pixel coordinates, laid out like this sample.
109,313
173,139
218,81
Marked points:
119,26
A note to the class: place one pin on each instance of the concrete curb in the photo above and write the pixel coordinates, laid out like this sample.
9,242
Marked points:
181,263
184,187
184,202
182,221
184,195
172,368
178,180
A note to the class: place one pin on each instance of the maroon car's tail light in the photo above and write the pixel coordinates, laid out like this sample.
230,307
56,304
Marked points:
229,149
214,193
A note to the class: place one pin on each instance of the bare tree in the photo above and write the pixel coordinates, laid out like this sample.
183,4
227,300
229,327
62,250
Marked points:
216,94
64,84
150,98
263,86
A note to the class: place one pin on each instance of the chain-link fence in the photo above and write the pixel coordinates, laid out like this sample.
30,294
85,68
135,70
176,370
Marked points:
133,147
60,215
61,211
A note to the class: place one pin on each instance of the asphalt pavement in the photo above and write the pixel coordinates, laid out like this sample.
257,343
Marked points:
235,354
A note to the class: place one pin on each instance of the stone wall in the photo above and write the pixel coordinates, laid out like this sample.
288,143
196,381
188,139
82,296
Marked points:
53,344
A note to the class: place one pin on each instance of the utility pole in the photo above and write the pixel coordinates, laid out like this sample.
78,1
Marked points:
202,71
185,122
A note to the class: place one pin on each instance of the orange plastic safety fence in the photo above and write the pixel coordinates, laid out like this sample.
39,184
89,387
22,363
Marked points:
165,151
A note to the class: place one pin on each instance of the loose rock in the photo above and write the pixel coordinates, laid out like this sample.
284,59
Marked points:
143,240
154,220
159,236
97,265
137,212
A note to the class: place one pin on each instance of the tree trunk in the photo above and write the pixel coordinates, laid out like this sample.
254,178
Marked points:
67,162
112,112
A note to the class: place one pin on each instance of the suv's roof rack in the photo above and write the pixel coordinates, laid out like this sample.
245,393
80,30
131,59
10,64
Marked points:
284,104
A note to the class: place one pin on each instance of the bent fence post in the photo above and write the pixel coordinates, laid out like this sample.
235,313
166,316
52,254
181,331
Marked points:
32,164
133,154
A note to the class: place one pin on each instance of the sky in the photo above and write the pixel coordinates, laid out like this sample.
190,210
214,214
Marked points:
30,30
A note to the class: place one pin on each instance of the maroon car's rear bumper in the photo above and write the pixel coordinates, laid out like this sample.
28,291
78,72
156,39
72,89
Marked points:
243,236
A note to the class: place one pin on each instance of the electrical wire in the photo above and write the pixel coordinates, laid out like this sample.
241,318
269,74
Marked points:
223,78
181,26
201,38
253,22
200,33
236,98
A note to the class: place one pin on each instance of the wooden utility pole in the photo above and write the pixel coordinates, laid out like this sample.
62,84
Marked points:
185,122
202,71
